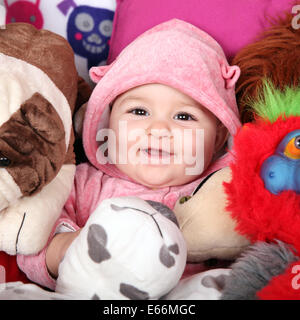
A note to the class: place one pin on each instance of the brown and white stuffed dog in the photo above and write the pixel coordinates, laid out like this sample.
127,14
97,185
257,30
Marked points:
38,90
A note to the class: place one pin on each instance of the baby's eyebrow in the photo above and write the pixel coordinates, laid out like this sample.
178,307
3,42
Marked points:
134,98
190,104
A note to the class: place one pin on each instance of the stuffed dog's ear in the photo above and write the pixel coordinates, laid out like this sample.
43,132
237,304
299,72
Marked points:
34,140
41,116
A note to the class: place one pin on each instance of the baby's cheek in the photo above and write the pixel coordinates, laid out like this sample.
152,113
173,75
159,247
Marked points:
193,144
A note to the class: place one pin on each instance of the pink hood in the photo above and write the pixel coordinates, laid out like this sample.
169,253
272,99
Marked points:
174,53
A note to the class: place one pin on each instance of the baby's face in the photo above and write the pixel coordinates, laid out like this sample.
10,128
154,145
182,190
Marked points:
159,136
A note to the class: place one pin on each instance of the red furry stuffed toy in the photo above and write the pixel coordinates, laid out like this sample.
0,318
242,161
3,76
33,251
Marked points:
264,193
264,199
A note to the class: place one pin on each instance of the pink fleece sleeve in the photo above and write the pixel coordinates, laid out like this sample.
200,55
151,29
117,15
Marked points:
78,204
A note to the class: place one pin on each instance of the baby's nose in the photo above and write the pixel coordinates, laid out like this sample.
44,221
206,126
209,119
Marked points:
159,129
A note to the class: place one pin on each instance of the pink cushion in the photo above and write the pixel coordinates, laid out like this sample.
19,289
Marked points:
233,23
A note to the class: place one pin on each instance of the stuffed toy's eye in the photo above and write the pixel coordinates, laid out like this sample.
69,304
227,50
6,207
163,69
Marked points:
4,162
297,142
292,149
184,199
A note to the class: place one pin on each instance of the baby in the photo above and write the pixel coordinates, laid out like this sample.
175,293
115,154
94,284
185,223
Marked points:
156,125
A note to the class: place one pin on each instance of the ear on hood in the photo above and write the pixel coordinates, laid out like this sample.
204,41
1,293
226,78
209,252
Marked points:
97,73
230,74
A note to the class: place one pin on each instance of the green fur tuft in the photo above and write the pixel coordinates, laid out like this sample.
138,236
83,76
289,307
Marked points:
273,103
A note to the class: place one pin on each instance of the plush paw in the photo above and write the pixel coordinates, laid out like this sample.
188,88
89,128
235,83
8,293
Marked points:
207,285
128,249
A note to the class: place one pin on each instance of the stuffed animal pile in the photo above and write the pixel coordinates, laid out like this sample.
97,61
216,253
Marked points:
249,212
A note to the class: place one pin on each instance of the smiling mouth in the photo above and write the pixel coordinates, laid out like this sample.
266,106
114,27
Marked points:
157,153
92,48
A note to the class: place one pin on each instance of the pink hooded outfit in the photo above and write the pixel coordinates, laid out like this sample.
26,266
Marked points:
174,53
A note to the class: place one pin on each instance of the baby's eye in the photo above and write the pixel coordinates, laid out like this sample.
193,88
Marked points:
139,112
184,117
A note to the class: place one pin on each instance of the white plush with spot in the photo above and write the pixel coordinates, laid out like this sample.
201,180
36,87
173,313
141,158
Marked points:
201,286
134,243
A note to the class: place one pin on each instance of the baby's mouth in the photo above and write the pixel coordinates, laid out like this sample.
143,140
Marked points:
158,153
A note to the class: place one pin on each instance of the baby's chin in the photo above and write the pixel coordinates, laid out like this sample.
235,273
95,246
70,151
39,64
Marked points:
155,180
158,177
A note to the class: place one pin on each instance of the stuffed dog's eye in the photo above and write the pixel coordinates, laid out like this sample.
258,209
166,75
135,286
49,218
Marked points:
4,162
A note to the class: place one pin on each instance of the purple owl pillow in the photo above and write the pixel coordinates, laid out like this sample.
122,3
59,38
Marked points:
86,24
